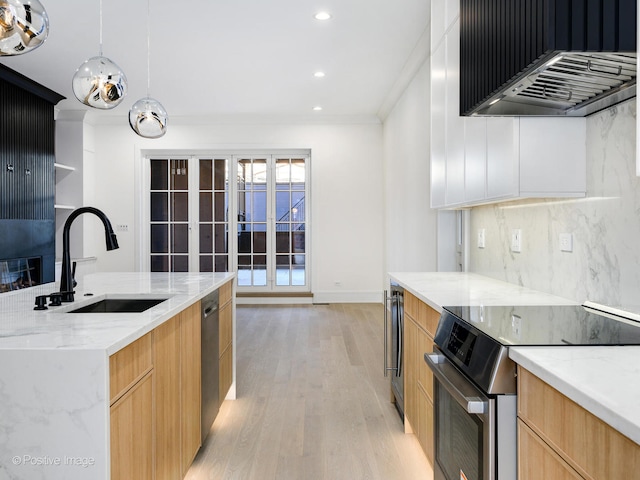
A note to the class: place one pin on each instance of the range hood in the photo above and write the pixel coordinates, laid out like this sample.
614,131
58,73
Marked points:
546,57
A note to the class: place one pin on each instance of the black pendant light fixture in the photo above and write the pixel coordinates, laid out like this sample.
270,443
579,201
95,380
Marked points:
99,82
147,116
24,26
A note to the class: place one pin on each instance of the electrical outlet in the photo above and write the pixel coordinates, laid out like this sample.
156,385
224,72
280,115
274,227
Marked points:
566,242
516,326
122,228
516,240
481,238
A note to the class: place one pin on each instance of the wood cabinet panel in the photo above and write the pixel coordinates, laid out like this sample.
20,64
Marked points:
225,292
190,390
425,376
226,327
132,433
585,442
226,372
410,372
537,460
166,343
425,316
129,365
425,424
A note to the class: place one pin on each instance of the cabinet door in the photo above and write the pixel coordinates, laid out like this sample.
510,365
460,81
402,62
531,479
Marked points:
190,384
226,349
502,157
167,382
438,104
537,460
410,373
454,133
132,433
553,153
475,159
425,424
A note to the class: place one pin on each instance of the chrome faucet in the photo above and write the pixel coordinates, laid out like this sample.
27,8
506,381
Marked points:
67,280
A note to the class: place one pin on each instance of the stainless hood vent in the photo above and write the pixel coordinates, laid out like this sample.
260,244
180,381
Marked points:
546,57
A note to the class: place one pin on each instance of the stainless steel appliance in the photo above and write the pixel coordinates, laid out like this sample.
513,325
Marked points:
475,380
210,362
396,313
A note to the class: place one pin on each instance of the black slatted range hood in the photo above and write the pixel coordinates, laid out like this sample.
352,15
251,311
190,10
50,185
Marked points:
546,57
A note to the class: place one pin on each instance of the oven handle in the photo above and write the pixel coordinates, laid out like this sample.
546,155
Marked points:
455,384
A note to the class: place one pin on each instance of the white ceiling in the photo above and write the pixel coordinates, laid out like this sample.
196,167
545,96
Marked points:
217,58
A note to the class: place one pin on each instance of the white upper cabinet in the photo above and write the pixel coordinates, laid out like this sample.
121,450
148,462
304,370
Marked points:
502,157
476,160
454,123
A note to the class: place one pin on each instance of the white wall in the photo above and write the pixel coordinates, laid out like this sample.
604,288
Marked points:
605,263
346,200
411,230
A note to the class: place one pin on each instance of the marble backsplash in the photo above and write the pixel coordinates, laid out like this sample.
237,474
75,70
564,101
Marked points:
604,266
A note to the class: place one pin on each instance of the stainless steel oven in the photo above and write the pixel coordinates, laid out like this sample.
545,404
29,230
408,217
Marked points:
475,380
474,404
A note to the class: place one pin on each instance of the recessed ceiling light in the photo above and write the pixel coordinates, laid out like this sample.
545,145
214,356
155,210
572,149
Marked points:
318,74
322,16
318,108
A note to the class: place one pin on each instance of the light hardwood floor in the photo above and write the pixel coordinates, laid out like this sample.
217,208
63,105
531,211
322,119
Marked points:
312,402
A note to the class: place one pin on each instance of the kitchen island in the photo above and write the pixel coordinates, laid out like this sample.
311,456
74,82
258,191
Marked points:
54,374
602,380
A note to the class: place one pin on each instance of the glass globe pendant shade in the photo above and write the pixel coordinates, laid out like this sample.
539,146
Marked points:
99,83
148,118
24,26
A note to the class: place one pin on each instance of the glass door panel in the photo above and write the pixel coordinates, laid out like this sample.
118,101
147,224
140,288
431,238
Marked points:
169,215
290,222
213,207
252,221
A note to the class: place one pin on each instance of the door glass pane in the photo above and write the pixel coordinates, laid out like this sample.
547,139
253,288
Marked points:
206,239
206,175
206,263
298,242
298,272
220,206
159,174
159,206
206,207
180,207
179,174
259,213
179,263
260,270
221,243
160,238
260,242
282,238
159,263
180,238
222,263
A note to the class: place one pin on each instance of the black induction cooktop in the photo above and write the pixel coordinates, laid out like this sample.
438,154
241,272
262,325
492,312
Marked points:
549,325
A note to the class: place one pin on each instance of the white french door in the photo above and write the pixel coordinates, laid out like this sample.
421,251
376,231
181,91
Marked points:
199,220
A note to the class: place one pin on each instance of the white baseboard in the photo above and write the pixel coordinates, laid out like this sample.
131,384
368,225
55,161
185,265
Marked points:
318,297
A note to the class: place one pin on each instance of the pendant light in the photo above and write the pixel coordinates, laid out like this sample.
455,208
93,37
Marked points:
24,26
147,116
99,82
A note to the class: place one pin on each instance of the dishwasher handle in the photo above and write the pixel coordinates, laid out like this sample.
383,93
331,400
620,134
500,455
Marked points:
463,392
209,310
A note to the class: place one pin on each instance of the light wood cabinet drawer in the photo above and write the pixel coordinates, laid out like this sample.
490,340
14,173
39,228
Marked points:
129,365
425,424
536,460
226,371
224,293
132,433
226,328
425,316
590,446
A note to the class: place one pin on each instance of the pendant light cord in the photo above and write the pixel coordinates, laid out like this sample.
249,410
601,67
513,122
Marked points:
148,46
100,28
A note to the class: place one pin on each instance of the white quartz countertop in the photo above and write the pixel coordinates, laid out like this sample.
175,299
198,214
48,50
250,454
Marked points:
23,328
441,289
603,380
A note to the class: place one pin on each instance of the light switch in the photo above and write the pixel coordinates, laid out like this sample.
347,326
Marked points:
516,240
481,238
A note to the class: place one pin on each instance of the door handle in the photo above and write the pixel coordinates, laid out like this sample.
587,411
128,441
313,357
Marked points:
386,367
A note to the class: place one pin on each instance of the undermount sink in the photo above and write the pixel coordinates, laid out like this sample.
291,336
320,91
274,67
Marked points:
119,305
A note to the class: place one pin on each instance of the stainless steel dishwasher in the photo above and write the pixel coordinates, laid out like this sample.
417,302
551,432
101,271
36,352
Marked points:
210,362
